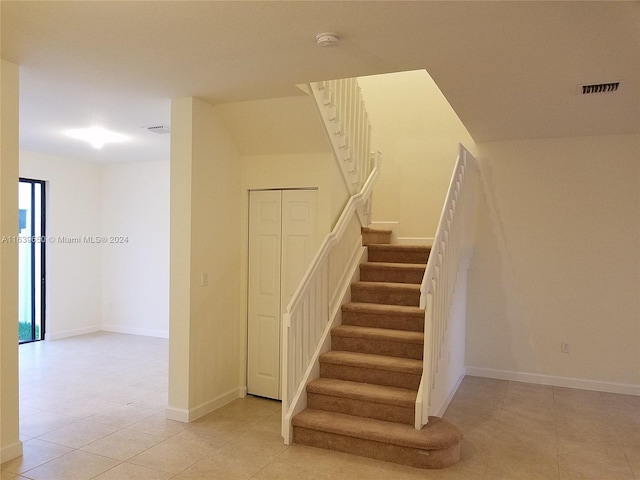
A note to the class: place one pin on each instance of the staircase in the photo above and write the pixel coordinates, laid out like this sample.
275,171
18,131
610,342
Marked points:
364,401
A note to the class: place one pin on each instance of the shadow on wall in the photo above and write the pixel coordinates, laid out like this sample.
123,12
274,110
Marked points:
556,261
494,302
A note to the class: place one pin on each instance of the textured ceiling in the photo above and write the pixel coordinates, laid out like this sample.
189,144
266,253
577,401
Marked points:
509,69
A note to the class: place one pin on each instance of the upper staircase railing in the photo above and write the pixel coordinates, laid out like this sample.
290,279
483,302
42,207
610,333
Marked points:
342,108
317,300
451,249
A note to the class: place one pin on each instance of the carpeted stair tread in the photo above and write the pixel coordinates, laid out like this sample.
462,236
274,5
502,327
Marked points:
437,434
400,336
392,272
410,287
377,362
394,265
368,392
378,341
396,247
386,293
376,230
377,236
399,317
380,309
397,253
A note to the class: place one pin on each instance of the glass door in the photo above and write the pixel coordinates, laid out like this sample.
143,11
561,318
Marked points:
31,254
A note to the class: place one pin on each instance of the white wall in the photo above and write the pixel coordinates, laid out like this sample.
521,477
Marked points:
275,126
452,367
10,444
73,270
218,155
135,270
205,320
121,287
418,133
557,260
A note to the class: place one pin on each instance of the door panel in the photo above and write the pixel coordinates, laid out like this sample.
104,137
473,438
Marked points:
263,329
268,361
282,243
299,224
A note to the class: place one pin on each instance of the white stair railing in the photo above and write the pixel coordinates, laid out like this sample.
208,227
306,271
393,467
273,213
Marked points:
346,120
452,246
317,302
315,305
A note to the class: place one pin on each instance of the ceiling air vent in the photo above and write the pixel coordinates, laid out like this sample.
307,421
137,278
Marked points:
590,89
160,129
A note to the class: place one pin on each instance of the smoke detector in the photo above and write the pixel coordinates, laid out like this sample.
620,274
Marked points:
327,39
159,129
592,88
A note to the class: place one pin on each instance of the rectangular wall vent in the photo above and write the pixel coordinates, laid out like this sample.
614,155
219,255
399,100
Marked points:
592,88
160,129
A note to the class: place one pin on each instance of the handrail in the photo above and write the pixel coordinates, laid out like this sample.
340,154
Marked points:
317,300
451,247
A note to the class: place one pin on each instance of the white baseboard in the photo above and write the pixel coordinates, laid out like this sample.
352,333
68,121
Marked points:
11,451
71,333
106,328
556,381
136,331
447,401
177,414
188,416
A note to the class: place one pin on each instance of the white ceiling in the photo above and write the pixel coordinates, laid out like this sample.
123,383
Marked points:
509,69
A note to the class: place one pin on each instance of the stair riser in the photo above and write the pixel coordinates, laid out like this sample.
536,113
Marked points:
397,322
385,296
397,256
375,237
374,274
377,347
380,451
368,375
361,408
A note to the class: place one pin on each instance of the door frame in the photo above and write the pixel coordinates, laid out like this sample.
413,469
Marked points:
42,245
247,289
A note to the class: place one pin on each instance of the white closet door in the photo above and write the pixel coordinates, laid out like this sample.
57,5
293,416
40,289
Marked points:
282,243
265,243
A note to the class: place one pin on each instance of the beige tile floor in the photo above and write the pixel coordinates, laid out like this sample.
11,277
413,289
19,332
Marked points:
92,408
